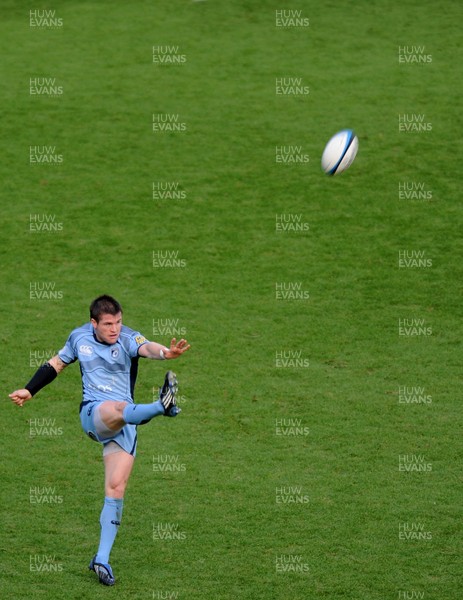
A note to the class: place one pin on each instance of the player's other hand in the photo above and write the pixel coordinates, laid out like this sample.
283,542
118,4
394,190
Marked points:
20,396
177,348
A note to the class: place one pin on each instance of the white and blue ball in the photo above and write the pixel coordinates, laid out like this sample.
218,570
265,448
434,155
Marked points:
339,152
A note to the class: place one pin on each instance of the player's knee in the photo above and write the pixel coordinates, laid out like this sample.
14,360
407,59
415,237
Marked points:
117,484
111,415
116,488
119,406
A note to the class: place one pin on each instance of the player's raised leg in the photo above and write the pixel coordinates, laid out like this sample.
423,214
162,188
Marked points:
110,416
138,414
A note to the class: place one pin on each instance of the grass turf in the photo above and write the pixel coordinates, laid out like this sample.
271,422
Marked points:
347,410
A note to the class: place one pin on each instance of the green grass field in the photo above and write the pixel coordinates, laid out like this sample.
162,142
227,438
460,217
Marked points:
319,448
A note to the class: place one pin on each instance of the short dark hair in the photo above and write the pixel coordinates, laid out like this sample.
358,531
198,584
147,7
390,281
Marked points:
104,305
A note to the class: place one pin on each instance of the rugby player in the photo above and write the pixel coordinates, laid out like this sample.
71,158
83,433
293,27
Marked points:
108,354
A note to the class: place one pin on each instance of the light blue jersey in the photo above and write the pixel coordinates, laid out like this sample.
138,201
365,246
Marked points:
108,371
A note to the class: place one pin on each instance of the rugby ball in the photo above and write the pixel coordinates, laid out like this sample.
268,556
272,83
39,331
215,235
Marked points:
340,152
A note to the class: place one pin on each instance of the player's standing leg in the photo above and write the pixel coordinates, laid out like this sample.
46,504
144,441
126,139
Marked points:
108,418
118,466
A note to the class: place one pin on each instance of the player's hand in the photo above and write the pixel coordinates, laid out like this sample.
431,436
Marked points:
20,396
177,348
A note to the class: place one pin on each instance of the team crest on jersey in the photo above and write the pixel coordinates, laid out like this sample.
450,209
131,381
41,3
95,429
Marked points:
87,350
115,352
140,339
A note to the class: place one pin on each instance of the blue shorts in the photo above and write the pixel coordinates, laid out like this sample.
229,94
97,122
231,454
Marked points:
126,438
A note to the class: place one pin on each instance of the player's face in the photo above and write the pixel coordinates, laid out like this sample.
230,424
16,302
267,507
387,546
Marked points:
108,328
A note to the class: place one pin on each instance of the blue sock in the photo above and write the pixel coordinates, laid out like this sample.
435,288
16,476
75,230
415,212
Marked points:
110,519
136,414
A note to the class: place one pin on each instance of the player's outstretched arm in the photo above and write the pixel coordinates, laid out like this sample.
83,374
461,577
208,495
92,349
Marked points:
42,377
160,352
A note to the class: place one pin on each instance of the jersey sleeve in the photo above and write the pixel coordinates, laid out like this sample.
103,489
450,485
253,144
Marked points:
68,352
136,341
